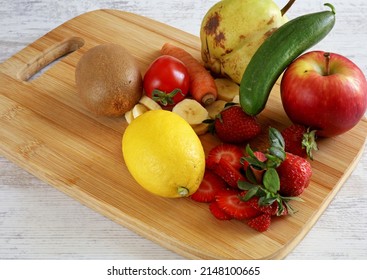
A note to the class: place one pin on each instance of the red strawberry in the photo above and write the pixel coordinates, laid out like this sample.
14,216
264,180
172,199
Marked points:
218,212
299,140
234,126
231,204
209,187
268,209
228,173
295,174
229,152
260,156
260,223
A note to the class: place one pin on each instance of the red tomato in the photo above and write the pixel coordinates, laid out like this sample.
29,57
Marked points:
166,81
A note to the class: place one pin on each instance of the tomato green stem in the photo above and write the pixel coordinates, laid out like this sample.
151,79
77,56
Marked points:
165,98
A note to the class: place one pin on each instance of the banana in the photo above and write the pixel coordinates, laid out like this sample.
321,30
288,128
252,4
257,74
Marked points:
200,129
236,99
129,116
227,89
138,110
149,103
145,104
215,108
191,110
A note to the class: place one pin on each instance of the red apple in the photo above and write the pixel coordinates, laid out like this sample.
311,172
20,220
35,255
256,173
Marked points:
324,91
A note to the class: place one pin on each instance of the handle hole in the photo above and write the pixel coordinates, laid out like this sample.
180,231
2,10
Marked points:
34,68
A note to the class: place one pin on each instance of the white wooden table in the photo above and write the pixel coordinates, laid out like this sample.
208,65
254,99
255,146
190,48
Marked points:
39,222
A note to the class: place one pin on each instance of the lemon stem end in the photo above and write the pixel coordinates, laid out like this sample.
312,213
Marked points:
182,191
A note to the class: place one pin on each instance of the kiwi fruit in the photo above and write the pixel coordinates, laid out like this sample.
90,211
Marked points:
108,80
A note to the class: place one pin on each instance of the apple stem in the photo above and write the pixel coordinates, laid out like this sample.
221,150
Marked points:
327,63
287,7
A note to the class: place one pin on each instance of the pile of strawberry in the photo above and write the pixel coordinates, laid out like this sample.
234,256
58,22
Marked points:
253,186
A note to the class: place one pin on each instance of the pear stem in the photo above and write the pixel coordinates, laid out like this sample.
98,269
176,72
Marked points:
327,63
287,7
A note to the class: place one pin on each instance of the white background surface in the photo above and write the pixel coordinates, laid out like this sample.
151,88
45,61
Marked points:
39,222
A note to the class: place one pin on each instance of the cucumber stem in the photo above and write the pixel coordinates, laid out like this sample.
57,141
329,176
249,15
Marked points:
327,63
331,7
287,7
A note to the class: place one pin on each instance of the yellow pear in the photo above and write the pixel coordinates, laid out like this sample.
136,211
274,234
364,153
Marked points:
231,32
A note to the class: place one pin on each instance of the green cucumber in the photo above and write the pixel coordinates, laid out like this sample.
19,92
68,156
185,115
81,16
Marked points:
277,52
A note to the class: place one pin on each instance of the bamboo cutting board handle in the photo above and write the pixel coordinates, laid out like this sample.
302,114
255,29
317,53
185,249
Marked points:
29,61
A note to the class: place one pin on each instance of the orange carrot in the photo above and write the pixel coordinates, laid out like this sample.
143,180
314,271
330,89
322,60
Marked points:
202,85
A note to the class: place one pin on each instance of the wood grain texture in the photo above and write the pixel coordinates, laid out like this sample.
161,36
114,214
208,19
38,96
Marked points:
329,225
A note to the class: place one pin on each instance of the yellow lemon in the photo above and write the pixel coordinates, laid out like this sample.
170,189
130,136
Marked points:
163,154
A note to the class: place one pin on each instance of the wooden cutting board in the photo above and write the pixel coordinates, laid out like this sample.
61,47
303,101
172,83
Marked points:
45,129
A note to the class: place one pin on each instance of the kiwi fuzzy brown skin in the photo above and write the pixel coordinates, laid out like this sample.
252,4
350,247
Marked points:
108,80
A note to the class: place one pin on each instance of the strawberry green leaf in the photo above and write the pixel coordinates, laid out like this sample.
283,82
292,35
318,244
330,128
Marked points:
290,209
278,152
249,151
271,180
273,161
290,198
250,175
267,200
253,160
250,193
309,142
244,185
276,139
